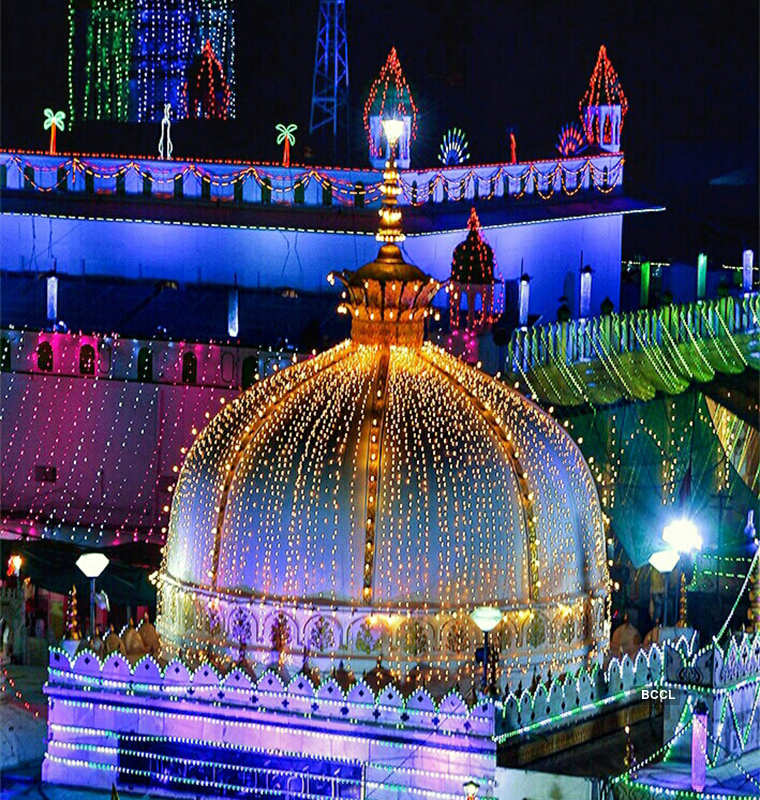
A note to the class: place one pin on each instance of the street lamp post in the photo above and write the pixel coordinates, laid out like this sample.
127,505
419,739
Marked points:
486,618
664,561
681,536
92,565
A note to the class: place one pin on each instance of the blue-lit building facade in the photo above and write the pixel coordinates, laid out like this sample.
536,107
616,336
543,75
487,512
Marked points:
262,226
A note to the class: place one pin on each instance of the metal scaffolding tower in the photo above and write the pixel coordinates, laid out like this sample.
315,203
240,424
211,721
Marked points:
329,98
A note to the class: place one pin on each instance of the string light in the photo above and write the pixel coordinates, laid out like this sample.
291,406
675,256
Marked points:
571,140
389,488
170,38
206,94
571,179
109,446
139,54
474,276
635,354
389,97
102,92
604,90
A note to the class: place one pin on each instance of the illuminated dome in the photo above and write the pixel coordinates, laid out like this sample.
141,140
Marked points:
362,502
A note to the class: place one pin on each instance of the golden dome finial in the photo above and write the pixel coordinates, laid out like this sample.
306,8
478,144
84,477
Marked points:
388,298
390,214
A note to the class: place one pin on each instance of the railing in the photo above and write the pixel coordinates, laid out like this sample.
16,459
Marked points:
616,334
571,698
299,185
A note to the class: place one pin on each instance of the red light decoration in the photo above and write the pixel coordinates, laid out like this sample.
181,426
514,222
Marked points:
604,89
206,94
571,140
473,273
390,96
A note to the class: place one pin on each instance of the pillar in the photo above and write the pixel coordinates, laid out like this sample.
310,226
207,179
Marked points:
233,326
585,306
523,300
701,275
644,294
699,747
748,259
52,299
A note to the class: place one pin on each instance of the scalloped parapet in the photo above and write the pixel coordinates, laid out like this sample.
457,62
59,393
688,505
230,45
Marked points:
115,722
573,697
145,679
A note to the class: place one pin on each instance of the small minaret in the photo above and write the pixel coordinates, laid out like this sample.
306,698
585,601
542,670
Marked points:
603,106
390,98
472,276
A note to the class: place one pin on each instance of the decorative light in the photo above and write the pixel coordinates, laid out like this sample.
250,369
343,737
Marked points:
138,53
14,565
165,146
682,535
393,128
51,288
92,564
286,138
470,789
664,561
53,121
473,274
486,617
390,96
168,38
233,312
571,140
454,148
206,94
604,89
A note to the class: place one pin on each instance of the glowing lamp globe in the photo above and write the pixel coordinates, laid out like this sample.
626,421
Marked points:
664,560
486,617
92,564
682,535
393,129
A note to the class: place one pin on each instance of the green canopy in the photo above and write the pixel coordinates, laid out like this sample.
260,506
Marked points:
660,459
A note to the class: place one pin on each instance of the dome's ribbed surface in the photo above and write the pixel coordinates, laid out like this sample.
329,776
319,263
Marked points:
287,467
361,503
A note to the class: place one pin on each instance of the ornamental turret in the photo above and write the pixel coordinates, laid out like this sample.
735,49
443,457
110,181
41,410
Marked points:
390,98
472,281
603,106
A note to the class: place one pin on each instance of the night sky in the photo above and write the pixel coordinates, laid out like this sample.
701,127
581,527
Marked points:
690,71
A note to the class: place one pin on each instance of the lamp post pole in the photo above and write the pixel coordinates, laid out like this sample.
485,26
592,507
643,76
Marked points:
667,600
486,618
92,607
485,662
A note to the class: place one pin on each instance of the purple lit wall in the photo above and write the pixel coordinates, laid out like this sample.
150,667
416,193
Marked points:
110,440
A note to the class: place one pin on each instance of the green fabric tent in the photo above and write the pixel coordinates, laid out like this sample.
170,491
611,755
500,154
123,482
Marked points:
660,459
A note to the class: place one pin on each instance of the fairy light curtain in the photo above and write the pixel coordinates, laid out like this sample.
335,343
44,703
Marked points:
661,459
127,58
